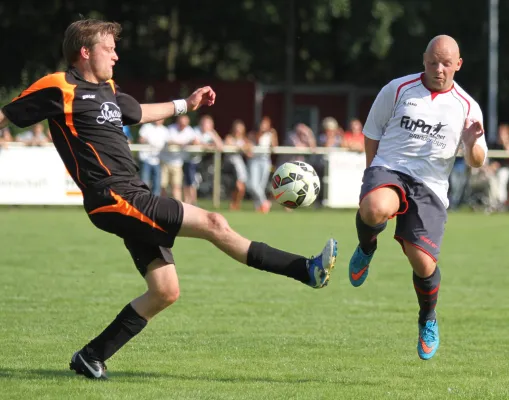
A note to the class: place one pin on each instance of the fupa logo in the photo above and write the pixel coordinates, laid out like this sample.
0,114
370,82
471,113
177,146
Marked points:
110,112
411,125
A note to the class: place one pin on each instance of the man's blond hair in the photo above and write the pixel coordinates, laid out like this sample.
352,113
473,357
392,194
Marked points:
86,33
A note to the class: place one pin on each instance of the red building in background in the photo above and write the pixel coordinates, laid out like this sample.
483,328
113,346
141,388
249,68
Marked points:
249,101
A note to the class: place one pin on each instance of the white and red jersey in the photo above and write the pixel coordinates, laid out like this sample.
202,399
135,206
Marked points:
420,130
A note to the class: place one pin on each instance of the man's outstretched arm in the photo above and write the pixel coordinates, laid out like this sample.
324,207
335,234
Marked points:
204,96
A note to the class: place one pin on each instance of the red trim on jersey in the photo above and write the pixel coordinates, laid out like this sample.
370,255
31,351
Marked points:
463,97
401,87
435,93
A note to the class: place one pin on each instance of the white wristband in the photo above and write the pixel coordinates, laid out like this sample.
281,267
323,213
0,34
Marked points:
180,107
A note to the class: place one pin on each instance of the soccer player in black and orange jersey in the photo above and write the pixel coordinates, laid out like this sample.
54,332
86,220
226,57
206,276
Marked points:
86,110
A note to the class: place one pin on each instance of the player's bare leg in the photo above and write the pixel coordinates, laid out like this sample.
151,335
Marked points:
163,286
374,212
426,277
315,271
162,291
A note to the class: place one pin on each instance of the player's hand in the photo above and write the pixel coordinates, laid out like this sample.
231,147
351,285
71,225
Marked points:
204,96
472,130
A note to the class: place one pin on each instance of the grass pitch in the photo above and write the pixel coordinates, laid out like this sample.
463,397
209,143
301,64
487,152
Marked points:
238,333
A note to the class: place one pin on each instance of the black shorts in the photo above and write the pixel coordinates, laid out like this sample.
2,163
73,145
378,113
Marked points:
422,216
148,224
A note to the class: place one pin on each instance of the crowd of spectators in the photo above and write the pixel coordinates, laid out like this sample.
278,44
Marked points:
181,173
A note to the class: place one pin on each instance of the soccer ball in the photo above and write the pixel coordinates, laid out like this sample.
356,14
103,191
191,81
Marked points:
295,184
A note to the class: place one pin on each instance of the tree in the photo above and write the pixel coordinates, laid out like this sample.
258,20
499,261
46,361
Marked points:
362,42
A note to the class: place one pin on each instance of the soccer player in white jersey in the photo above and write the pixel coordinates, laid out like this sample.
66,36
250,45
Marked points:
414,130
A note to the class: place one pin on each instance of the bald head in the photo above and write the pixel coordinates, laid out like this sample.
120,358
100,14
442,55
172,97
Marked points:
441,61
443,43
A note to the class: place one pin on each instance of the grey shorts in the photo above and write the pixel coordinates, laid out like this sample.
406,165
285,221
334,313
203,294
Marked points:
421,217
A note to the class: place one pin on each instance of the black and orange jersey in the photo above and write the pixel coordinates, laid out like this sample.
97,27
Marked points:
85,120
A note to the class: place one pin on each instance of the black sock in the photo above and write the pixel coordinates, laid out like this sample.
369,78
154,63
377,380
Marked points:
427,295
367,234
124,327
262,256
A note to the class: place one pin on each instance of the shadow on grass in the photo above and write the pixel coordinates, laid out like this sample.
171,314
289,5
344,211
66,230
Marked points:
49,374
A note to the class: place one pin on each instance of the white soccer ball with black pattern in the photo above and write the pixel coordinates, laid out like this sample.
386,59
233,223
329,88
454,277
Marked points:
295,184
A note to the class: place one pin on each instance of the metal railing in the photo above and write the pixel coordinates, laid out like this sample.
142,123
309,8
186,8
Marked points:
279,150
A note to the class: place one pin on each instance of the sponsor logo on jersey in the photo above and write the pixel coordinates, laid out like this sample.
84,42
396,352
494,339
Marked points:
110,112
421,130
412,125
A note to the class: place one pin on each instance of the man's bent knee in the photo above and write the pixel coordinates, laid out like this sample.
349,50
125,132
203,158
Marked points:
380,205
163,285
217,227
165,297
202,224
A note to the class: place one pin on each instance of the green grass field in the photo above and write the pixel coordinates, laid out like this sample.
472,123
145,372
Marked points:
238,333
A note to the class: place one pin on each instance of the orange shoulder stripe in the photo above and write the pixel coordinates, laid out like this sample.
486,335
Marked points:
112,84
56,80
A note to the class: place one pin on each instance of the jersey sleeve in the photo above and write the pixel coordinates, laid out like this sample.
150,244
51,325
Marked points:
131,109
42,100
380,113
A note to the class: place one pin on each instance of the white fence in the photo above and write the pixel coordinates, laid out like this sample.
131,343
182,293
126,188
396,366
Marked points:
37,176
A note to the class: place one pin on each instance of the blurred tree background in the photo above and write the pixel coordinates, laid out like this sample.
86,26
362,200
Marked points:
361,42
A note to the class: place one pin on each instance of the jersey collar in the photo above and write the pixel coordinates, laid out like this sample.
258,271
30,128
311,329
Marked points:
74,72
435,93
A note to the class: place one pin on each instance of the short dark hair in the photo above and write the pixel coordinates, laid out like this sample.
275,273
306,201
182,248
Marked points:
84,33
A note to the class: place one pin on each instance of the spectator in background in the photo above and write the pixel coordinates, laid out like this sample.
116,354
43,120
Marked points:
301,137
206,136
260,164
48,135
481,192
501,166
237,137
179,134
332,135
354,138
34,137
458,181
488,186
155,135
5,137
